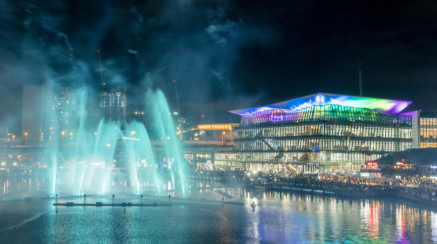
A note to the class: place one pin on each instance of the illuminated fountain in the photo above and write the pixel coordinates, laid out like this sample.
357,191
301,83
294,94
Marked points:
110,155
163,119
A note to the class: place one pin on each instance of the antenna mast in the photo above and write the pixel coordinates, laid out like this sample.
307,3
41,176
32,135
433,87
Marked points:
359,78
100,64
177,99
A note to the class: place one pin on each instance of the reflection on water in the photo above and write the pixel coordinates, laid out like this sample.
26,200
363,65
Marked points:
331,219
370,213
37,183
17,181
279,217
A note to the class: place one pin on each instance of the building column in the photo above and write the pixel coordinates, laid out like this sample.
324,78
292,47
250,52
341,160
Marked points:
213,160
195,161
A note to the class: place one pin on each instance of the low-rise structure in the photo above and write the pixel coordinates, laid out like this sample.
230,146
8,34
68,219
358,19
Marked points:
318,133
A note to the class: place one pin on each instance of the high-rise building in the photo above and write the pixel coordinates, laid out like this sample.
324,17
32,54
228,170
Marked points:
32,118
113,104
424,128
139,117
4,134
63,110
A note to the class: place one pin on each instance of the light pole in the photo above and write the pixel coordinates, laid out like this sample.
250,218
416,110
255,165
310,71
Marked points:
113,199
141,199
223,135
63,133
13,138
56,198
84,198
25,134
133,133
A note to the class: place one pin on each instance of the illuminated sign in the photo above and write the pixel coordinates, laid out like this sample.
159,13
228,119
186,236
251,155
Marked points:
372,163
371,175
216,126
400,163
376,104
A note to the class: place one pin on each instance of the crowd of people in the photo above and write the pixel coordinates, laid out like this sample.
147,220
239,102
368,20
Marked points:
419,187
423,189
316,182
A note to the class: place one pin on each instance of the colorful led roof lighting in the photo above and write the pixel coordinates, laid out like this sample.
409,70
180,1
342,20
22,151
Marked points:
376,104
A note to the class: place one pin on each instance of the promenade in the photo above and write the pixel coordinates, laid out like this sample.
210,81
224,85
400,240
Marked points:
417,190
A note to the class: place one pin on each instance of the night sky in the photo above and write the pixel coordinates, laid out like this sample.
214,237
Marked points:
223,55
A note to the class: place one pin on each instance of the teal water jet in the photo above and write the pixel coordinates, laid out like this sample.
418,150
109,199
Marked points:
163,118
139,132
110,156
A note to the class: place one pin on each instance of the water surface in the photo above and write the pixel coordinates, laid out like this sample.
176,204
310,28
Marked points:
278,218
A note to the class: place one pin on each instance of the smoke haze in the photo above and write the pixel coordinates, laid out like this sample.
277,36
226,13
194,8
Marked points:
145,46
223,55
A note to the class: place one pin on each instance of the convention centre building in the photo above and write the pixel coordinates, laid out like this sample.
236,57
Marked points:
321,133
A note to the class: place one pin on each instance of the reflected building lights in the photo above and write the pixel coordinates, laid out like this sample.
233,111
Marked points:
399,223
433,226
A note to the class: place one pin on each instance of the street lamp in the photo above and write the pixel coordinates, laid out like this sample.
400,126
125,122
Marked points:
63,133
141,199
56,198
13,138
25,134
113,199
224,133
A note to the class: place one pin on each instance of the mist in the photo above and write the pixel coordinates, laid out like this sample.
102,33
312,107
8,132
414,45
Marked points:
190,44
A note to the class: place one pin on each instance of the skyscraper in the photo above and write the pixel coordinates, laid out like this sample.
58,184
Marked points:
139,117
63,110
113,104
32,119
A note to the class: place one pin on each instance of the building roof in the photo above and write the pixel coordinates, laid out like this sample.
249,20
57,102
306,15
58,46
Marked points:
418,156
376,104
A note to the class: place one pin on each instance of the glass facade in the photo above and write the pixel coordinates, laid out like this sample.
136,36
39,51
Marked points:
113,104
329,134
428,129
64,108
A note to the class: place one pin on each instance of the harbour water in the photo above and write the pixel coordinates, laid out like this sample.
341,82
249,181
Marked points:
201,218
